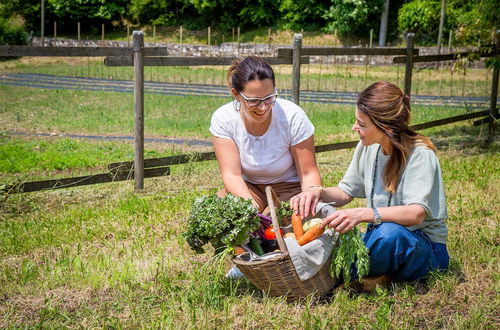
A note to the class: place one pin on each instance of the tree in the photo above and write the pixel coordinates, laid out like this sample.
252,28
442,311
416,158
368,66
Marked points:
353,17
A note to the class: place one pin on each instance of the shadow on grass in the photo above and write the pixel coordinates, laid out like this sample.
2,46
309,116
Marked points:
471,140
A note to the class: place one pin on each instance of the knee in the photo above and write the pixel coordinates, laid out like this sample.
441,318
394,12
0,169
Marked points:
386,234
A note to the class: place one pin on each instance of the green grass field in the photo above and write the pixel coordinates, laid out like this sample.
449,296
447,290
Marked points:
104,256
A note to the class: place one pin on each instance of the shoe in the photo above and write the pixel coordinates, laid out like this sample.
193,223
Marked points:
234,273
366,284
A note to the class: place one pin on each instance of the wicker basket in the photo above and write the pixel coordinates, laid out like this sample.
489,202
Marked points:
277,275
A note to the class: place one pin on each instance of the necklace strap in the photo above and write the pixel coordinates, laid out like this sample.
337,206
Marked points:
374,180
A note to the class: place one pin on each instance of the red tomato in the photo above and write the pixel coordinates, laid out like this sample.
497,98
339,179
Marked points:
270,234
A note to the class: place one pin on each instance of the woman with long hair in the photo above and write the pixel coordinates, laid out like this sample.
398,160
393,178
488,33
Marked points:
397,171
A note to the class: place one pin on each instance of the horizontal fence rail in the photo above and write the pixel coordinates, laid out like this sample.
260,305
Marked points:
15,51
444,57
326,51
192,61
155,167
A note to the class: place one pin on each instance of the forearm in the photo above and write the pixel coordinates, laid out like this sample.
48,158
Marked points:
311,180
235,185
405,215
336,195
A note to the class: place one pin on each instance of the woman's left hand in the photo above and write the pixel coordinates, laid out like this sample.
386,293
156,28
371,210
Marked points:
343,221
304,203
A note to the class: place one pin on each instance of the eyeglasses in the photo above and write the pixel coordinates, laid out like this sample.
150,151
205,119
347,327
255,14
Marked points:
254,102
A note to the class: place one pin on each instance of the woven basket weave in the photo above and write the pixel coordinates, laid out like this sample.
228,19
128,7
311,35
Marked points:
277,275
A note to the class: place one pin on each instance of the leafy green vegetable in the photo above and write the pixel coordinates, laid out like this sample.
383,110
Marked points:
224,222
284,212
351,249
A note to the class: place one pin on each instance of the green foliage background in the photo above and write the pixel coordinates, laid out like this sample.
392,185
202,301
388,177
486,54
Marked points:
469,20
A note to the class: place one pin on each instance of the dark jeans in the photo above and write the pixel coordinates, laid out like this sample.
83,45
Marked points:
403,254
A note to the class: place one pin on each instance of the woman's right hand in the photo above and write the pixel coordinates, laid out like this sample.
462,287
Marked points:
305,202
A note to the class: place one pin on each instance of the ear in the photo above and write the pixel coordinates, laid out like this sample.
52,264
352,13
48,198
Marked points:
235,93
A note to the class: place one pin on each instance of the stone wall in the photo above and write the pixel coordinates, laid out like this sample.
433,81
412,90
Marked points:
231,49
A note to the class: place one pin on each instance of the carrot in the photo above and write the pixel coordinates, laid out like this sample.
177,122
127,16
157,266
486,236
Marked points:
238,250
297,226
311,234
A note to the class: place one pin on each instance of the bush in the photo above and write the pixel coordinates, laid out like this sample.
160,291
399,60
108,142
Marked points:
12,34
422,18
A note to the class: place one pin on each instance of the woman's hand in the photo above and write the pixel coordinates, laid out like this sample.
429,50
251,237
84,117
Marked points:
343,221
305,202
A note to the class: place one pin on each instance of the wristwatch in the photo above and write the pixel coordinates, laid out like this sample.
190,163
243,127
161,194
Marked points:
377,219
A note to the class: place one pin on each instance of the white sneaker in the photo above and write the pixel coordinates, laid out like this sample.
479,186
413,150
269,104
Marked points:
234,273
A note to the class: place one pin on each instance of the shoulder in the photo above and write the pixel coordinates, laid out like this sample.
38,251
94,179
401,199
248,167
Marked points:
423,153
422,158
225,113
290,109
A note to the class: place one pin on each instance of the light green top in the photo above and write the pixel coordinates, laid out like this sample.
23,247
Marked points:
421,183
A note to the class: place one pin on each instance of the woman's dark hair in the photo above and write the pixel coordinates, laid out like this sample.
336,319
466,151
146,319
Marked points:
389,109
246,69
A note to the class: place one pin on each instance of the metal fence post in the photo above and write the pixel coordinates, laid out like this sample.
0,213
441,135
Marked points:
409,63
494,89
297,47
138,45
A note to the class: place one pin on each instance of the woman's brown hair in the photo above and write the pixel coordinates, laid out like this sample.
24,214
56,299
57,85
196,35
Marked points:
246,69
389,109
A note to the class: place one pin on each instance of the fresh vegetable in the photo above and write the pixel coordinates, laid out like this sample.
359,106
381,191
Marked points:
284,212
238,250
254,244
297,225
351,250
311,223
224,222
269,233
313,233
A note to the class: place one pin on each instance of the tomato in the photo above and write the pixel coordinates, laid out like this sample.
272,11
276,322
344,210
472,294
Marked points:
270,234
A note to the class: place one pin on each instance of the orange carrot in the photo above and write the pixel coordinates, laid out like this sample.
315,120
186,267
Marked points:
297,226
311,234
238,250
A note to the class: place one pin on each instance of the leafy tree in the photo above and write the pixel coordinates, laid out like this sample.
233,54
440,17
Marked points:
161,12
422,18
303,14
470,20
353,17
11,33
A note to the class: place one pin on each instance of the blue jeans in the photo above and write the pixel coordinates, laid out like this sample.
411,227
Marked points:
403,254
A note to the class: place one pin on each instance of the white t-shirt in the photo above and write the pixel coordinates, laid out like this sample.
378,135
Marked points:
267,158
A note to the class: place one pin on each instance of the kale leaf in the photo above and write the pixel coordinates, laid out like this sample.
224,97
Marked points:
223,222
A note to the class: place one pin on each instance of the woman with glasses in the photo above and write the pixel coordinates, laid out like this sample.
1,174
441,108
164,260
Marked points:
397,171
262,140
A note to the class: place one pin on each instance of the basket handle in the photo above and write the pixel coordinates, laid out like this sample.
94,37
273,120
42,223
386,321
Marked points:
273,202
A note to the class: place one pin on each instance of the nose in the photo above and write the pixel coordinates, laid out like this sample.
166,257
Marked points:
355,127
262,105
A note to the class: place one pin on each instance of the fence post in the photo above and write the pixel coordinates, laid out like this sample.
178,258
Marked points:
409,63
238,42
55,31
494,89
297,47
180,41
42,23
78,32
102,35
138,45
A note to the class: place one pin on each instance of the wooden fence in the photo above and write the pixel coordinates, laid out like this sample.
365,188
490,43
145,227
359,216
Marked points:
139,56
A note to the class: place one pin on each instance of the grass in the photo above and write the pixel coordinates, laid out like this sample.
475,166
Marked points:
335,77
104,256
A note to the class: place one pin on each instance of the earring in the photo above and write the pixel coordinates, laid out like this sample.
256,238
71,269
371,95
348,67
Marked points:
236,105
